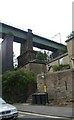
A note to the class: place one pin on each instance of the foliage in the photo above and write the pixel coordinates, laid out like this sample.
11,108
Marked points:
71,35
15,62
60,67
18,84
41,56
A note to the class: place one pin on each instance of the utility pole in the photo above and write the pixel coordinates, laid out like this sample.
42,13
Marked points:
57,35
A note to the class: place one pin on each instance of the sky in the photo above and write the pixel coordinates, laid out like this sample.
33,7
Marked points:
51,19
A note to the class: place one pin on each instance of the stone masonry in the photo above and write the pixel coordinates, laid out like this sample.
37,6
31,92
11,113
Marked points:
59,85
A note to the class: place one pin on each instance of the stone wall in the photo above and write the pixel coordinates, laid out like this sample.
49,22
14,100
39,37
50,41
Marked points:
62,59
36,67
59,84
67,58
70,48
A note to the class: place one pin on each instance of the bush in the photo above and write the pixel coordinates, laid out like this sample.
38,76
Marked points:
16,85
60,67
41,56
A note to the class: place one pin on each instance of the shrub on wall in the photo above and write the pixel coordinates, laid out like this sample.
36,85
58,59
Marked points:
60,67
16,85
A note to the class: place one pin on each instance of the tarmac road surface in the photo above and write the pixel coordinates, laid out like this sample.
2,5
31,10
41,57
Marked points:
31,116
57,112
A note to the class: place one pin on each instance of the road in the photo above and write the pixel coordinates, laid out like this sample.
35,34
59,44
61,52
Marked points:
30,116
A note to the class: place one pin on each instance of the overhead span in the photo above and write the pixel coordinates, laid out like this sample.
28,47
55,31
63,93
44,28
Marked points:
38,41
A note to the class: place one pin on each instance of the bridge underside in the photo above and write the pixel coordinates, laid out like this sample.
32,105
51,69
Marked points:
28,40
35,44
20,37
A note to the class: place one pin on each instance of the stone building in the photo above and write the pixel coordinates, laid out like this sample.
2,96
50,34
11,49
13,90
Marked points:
66,58
60,83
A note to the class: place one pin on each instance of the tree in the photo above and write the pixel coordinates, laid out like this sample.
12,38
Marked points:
17,85
41,56
71,35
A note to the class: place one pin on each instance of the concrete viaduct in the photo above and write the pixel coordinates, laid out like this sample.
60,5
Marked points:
28,40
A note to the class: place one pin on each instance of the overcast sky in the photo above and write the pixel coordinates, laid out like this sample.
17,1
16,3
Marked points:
45,17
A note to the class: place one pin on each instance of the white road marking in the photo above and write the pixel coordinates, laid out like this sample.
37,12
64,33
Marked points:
25,104
21,115
42,115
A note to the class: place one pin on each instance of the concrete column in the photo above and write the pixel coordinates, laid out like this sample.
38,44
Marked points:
29,41
0,71
7,53
28,44
23,48
26,50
